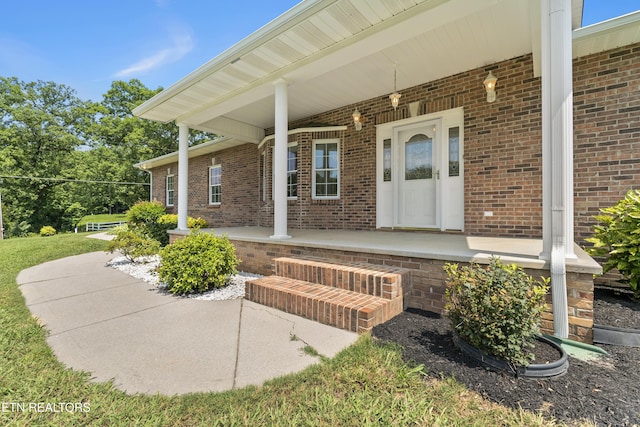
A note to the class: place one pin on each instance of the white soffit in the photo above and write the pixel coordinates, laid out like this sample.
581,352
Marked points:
340,52
208,147
617,32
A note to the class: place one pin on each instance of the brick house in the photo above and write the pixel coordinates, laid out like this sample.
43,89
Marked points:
315,161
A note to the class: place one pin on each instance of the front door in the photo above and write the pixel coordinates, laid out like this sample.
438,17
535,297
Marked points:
417,175
420,172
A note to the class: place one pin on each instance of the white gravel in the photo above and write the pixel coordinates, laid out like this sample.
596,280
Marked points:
145,269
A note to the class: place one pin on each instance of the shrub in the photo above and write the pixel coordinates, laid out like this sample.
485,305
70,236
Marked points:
133,244
496,308
197,263
169,222
47,230
143,213
617,237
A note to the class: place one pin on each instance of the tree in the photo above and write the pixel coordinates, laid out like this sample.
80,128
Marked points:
50,139
41,125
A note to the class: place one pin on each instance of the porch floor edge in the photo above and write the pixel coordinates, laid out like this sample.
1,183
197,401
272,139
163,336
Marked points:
438,246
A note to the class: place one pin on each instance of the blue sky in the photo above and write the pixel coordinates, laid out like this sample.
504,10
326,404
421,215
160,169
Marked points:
86,44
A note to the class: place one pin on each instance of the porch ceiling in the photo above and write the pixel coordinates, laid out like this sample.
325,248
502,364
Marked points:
339,52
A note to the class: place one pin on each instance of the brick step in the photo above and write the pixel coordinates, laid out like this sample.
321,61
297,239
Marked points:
381,281
337,307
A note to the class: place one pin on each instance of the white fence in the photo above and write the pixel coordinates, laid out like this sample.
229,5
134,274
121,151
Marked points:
97,226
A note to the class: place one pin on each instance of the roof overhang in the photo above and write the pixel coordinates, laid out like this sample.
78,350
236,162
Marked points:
208,147
341,52
607,35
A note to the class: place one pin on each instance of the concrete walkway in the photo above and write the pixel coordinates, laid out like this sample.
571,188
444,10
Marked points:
116,327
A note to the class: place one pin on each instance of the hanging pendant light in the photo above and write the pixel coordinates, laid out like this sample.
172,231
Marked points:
395,96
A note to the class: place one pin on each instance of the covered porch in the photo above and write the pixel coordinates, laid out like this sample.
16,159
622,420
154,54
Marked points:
423,254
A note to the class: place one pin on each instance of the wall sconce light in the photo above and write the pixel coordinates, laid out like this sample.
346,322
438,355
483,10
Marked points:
395,96
490,86
357,119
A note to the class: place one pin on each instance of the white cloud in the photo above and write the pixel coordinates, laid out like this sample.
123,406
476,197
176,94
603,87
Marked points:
182,44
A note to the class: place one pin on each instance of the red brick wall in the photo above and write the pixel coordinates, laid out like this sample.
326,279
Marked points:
240,188
606,93
502,151
159,176
427,280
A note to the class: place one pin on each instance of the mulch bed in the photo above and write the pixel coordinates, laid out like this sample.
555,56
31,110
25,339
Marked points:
606,392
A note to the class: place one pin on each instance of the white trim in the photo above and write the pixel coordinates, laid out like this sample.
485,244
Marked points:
292,144
279,189
183,176
313,168
166,190
452,215
303,130
212,167
208,147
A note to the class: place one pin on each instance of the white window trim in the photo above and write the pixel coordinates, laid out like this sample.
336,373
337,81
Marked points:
313,169
264,175
209,186
173,191
292,144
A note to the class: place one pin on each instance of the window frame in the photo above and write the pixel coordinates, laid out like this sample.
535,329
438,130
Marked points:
292,171
210,185
317,142
170,192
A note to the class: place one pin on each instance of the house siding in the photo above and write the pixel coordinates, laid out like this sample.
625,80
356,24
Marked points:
606,90
502,152
427,278
240,190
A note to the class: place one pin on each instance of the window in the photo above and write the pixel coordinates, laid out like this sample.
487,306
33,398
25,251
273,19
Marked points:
386,155
215,185
264,176
418,158
292,171
170,190
326,169
454,151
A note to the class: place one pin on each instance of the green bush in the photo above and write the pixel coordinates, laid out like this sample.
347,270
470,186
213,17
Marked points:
170,222
47,230
617,238
143,213
133,243
496,308
197,263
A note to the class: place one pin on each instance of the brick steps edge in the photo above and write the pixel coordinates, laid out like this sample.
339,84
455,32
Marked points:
382,281
336,307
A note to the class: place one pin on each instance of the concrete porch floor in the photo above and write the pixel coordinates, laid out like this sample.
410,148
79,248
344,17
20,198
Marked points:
439,246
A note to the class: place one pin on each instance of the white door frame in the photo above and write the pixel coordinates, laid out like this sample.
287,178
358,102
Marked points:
450,189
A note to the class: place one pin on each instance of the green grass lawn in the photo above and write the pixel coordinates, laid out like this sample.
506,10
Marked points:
367,384
102,218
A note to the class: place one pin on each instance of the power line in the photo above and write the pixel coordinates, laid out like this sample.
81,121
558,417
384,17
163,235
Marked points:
86,181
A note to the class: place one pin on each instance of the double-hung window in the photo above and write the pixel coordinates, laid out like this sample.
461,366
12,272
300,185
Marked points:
326,169
215,185
292,170
170,190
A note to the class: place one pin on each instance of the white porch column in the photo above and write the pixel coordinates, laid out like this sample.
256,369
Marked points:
183,175
557,152
280,162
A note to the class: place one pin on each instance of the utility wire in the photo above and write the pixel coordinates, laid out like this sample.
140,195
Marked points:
73,180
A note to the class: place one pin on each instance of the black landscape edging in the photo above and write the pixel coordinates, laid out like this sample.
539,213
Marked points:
616,336
546,370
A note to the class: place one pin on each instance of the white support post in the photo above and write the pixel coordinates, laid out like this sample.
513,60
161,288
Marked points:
183,175
557,152
280,162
